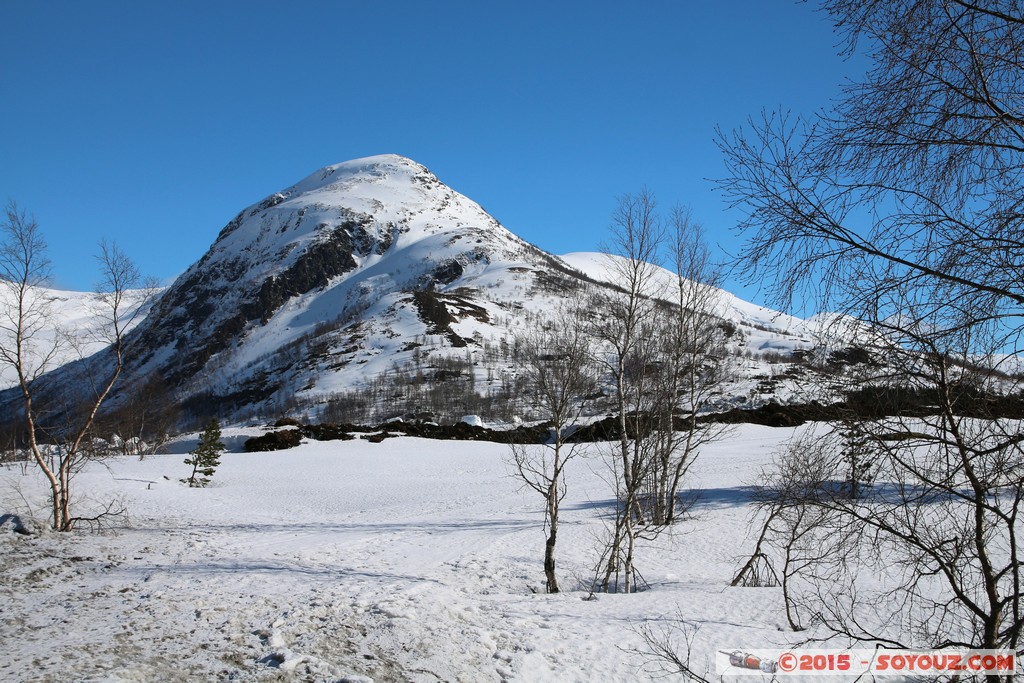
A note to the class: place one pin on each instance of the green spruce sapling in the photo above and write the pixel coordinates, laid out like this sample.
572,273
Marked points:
205,456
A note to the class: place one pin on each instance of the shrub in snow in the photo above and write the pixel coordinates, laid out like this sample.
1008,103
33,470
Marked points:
473,420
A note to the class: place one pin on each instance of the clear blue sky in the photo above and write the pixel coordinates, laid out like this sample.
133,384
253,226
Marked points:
153,124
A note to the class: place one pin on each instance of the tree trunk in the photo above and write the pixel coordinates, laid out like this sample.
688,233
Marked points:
549,544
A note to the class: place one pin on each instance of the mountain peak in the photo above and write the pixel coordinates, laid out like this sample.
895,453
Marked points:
386,189
377,160
372,168
345,238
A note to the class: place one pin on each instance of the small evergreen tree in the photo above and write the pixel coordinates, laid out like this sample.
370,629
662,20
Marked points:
205,456
858,457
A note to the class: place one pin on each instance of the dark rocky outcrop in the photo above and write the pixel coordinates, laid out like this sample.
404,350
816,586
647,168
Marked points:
289,438
331,432
274,441
328,258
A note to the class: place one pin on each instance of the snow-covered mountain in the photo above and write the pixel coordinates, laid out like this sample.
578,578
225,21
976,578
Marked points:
333,280
372,267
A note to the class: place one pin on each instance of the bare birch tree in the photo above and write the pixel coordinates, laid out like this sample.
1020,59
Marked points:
59,412
692,365
555,361
661,343
902,206
627,335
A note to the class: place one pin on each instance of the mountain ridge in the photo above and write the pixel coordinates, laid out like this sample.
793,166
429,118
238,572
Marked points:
367,270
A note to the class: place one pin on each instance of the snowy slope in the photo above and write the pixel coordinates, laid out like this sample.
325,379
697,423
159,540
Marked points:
763,328
76,314
408,560
764,348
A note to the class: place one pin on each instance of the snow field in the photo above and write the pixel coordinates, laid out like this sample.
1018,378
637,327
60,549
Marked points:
408,560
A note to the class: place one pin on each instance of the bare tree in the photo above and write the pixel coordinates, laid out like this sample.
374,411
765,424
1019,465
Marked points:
796,541
902,206
555,360
912,183
661,343
58,413
627,334
692,364
930,553
669,650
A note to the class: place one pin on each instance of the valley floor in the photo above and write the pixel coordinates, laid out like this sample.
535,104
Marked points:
408,560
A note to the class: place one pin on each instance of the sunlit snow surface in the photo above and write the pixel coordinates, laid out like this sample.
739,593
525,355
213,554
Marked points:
405,560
